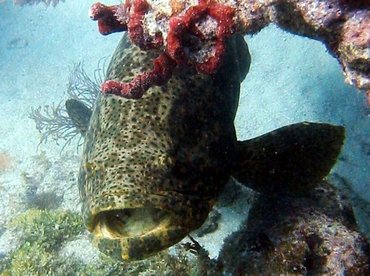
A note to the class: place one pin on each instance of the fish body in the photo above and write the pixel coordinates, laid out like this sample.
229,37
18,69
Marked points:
153,168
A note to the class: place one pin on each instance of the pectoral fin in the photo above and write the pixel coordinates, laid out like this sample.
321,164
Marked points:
291,159
79,114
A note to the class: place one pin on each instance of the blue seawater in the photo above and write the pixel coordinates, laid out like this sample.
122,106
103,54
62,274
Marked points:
291,79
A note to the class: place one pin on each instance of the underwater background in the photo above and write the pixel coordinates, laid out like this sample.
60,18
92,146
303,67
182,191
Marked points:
291,79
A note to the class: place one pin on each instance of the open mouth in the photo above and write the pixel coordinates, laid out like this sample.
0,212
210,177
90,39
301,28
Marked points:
136,233
130,222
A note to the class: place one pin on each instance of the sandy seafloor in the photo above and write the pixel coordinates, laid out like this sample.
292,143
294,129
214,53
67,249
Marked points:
291,79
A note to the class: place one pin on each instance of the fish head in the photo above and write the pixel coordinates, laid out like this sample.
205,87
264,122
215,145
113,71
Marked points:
152,168
143,188
137,232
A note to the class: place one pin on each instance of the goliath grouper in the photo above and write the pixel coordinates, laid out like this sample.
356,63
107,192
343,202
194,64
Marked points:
152,168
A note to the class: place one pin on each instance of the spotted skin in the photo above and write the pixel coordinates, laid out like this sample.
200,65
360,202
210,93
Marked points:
169,150
153,168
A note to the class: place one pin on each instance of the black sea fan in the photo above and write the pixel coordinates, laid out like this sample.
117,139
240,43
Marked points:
52,121
69,118
83,88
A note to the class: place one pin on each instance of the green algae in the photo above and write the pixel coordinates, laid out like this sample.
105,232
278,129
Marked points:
49,228
43,233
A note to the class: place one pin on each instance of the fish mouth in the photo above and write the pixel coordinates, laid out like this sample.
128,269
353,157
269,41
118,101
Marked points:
136,233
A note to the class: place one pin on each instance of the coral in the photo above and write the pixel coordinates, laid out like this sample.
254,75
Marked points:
311,235
52,121
193,32
84,88
161,73
195,38
359,204
107,23
198,37
68,119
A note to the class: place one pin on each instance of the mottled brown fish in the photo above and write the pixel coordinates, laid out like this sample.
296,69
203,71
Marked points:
152,168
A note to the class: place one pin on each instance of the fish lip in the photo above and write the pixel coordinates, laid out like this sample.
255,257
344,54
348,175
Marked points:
138,248
134,236
184,213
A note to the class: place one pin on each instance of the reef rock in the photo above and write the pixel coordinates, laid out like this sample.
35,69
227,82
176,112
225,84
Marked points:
194,32
311,235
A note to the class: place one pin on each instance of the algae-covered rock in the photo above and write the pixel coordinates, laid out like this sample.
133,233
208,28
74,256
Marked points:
48,228
42,235
314,234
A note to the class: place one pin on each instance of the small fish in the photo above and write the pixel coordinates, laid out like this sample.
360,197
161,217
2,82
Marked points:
153,168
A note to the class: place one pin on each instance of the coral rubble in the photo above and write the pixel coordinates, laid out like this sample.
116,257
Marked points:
192,32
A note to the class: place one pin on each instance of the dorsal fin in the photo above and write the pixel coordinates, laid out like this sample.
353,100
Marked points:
290,159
